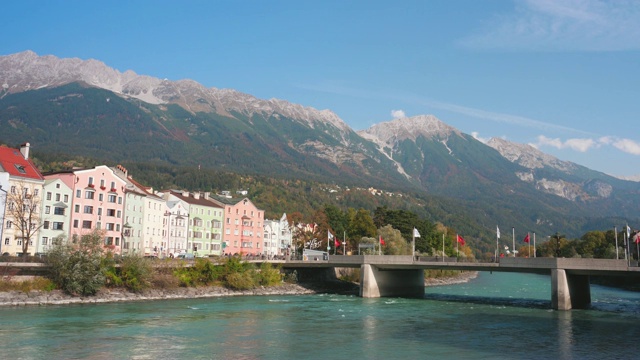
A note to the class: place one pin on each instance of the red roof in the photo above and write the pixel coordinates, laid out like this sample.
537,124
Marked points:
13,162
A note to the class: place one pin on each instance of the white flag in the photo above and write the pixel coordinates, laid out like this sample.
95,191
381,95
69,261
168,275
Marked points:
498,231
416,233
628,231
330,235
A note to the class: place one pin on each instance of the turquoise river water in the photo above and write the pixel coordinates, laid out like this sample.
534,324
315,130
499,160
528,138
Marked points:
495,316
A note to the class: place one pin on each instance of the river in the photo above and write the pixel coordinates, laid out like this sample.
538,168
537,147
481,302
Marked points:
494,316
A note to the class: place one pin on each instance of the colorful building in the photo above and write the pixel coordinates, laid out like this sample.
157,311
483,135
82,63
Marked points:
143,228
204,235
56,213
98,203
277,237
22,198
243,227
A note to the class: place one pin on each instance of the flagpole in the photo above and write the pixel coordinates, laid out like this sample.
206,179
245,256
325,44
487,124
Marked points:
497,243
442,247
457,248
344,243
529,245
379,245
413,245
615,231
534,244
513,232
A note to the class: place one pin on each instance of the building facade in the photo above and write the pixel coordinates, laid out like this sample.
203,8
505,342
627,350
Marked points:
23,201
243,227
98,203
56,213
277,237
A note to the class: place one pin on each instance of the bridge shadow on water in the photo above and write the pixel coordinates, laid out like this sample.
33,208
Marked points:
483,300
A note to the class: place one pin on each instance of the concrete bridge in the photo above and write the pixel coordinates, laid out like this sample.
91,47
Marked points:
403,276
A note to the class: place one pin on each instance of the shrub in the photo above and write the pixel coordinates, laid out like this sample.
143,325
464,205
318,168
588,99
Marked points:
78,268
269,275
240,281
136,272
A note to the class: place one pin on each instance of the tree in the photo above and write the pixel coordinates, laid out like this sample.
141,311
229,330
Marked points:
362,225
78,268
394,243
23,209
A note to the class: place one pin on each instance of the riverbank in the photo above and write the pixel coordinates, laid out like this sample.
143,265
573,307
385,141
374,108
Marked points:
108,295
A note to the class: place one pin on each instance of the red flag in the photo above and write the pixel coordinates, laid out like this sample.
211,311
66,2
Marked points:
381,241
460,240
337,242
526,238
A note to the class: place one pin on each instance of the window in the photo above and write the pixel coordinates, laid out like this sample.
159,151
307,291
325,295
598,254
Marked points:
217,224
75,224
100,197
99,211
58,211
48,195
77,208
88,209
86,224
9,224
111,198
57,186
66,198
78,193
235,232
36,192
45,225
120,200
90,180
45,240
20,169
58,225
6,241
89,194
57,197
111,212
110,226
118,214
47,209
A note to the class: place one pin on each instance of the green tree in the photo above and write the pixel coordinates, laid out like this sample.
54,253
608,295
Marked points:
78,268
395,244
362,225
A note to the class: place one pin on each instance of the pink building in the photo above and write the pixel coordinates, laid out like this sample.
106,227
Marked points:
98,203
243,227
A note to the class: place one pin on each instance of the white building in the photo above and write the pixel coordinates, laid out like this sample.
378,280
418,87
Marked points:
277,237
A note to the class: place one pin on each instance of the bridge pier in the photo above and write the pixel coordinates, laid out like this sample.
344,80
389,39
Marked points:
375,282
569,291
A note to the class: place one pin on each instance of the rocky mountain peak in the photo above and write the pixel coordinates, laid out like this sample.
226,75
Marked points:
28,71
528,156
427,126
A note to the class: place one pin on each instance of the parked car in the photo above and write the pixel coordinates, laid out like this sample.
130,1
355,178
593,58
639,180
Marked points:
186,256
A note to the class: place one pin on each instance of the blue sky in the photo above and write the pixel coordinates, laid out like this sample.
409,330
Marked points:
563,75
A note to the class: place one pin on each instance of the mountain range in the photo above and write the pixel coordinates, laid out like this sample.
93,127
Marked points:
85,107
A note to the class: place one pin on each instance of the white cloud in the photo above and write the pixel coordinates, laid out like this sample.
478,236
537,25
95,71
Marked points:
476,135
398,114
628,146
583,145
562,25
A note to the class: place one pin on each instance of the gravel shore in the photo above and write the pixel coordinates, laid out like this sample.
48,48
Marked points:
106,295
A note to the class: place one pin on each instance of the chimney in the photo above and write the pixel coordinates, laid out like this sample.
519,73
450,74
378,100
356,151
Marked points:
196,195
24,150
185,193
207,195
